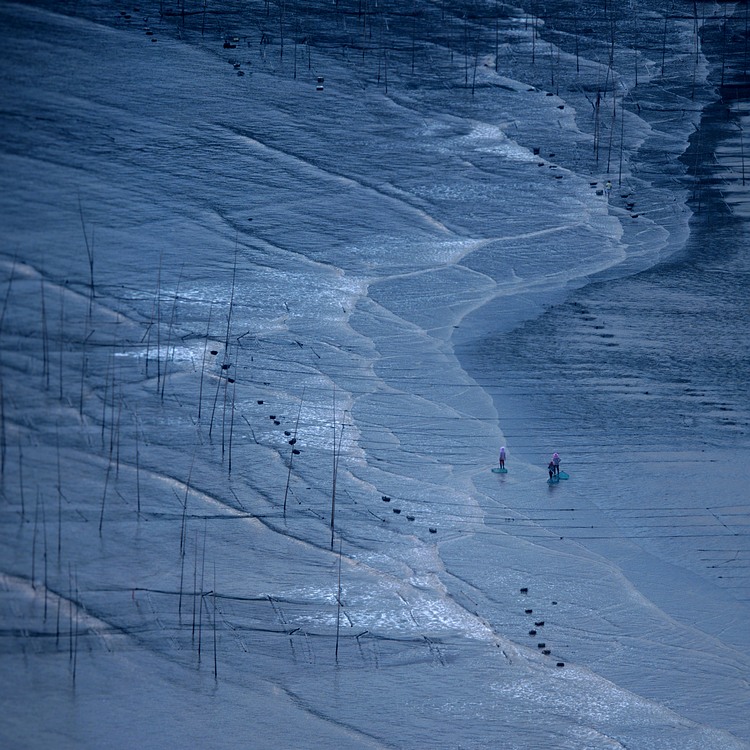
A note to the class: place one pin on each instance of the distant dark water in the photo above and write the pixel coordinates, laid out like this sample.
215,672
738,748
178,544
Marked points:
658,358
642,384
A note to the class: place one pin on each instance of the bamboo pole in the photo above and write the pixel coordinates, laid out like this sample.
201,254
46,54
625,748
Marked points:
62,343
231,421
137,465
293,442
195,582
104,495
20,482
338,607
216,670
183,536
200,608
336,454
89,255
75,639
158,326
45,337
203,363
169,330
33,543
59,497
3,436
44,559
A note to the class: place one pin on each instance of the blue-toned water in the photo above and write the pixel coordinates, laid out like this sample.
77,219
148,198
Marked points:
278,280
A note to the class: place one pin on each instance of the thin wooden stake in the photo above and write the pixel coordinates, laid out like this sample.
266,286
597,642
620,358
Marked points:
33,543
104,495
3,437
70,614
62,342
20,482
195,581
224,415
104,398
216,670
83,373
137,464
333,483
336,454
231,301
112,422
75,639
45,338
158,326
89,254
59,498
200,610
294,442
117,433
44,558
219,381
7,294
338,606
203,363
231,424
57,622
183,536
169,331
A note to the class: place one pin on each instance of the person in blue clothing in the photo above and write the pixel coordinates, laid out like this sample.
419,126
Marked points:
556,463
502,457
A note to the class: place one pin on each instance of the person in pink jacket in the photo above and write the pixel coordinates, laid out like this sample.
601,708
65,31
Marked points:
556,463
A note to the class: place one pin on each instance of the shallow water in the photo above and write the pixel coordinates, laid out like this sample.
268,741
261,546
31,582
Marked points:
277,263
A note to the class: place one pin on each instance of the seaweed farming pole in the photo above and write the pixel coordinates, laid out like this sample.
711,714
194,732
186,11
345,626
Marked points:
226,364
338,608
742,150
203,364
3,438
336,454
293,442
169,331
216,668
89,255
158,325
